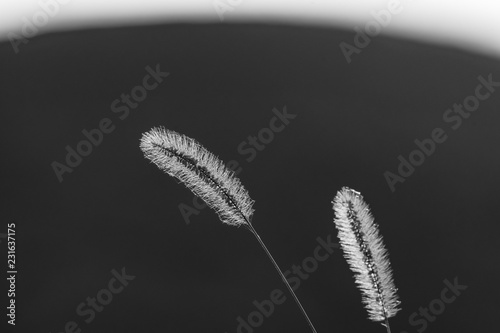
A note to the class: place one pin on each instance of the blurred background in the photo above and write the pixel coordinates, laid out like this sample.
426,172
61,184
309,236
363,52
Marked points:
467,24
303,97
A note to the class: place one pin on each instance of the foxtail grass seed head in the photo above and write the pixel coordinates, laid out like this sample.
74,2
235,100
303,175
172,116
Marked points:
204,174
366,255
201,171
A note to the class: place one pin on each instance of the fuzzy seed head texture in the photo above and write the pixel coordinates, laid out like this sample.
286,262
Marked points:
366,255
201,171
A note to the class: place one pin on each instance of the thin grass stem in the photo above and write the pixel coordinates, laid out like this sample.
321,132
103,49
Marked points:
251,228
387,325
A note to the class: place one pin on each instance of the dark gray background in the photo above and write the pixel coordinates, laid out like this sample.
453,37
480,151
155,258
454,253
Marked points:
117,210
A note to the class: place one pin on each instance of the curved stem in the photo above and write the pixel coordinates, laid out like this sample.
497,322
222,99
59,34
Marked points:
250,227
